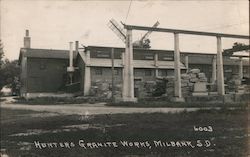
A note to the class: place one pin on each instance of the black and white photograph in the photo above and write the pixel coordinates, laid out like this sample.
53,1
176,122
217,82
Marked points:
124,78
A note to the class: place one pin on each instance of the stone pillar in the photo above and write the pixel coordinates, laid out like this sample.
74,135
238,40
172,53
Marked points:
87,74
213,70
128,70
240,68
177,70
220,72
156,65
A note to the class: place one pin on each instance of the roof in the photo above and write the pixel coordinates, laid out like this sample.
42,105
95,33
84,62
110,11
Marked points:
96,62
43,53
141,50
193,57
208,59
119,49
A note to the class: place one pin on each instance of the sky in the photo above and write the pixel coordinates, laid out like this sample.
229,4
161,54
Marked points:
53,24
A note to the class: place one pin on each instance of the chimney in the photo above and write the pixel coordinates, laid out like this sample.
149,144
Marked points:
26,40
76,47
70,68
71,56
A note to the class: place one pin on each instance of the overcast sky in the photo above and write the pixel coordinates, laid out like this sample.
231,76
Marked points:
53,24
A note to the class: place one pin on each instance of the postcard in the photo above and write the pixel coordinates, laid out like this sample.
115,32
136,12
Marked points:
131,78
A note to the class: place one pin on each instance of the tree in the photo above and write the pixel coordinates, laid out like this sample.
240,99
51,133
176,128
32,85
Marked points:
10,75
1,65
1,53
9,72
236,48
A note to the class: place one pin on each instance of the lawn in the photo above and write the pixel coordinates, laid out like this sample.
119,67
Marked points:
39,134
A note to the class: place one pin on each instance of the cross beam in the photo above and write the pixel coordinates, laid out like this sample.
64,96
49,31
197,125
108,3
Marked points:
128,81
131,27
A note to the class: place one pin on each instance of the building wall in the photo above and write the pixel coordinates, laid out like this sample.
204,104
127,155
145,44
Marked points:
145,74
105,74
246,71
165,72
138,54
105,52
81,70
23,76
46,75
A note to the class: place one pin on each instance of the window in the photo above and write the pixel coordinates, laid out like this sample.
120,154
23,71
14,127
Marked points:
139,55
148,57
116,71
103,54
137,72
163,73
168,58
42,66
98,71
148,72
245,70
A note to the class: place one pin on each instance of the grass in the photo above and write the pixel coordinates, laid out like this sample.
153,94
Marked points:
152,102
229,133
162,103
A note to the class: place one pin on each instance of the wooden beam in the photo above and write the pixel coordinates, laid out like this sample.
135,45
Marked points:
179,31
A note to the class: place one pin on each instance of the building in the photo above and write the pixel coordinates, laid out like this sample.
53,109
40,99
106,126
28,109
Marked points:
44,71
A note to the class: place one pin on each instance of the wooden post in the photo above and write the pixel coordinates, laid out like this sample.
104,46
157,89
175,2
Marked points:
240,68
156,64
213,70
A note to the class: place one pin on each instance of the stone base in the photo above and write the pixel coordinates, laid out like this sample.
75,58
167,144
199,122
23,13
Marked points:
228,98
177,99
213,93
199,94
48,95
129,99
241,92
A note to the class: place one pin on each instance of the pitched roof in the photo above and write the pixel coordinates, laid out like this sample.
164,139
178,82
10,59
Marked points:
43,53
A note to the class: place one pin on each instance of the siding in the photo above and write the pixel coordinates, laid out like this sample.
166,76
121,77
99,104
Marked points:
46,75
23,76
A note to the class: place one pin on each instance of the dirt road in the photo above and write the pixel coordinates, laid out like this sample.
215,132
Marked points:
92,109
